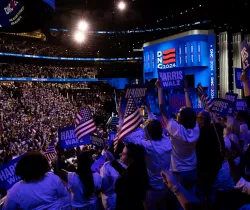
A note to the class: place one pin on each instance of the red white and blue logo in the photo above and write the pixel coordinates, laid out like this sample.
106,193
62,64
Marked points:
166,59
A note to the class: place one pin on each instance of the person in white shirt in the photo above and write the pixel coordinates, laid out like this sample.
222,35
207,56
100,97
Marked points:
84,185
158,151
38,189
184,135
109,176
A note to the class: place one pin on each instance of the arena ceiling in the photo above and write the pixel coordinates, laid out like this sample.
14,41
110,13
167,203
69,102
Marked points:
104,15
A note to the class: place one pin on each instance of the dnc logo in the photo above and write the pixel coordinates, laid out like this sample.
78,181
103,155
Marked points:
166,59
10,7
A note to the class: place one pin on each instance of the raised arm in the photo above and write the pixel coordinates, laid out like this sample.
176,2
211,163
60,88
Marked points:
244,79
187,98
162,103
63,174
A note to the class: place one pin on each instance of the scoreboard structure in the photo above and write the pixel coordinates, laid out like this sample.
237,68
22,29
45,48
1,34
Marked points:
192,51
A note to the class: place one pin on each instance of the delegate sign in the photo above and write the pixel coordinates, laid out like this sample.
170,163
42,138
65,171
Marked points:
241,104
171,78
231,97
139,93
68,139
7,174
221,106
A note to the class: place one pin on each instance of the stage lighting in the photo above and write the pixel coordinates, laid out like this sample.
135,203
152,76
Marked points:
79,37
121,5
83,26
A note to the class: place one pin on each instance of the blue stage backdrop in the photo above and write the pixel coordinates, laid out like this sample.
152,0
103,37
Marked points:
192,51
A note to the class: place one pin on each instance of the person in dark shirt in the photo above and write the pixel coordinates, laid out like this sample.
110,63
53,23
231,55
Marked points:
209,157
133,182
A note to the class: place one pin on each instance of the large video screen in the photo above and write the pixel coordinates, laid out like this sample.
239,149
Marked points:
194,54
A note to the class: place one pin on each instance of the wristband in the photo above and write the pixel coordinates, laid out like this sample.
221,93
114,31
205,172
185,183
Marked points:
185,90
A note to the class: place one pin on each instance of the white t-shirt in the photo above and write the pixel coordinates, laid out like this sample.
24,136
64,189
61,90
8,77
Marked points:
109,176
77,192
183,157
48,193
157,153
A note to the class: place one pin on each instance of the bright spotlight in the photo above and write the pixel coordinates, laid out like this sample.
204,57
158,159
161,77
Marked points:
121,5
79,37
83,26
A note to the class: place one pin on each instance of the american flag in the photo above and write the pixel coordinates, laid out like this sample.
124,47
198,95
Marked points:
132,120
84,123
204,97
50,152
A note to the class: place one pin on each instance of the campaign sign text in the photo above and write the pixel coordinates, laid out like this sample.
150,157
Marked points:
245,55
221,106
176,102
237,74
68,139
97,141
111,138
241,104
171,78
139,93
231,97
7,174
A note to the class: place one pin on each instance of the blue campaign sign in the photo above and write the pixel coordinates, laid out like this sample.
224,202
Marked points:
111,138
171,78
67,138
7,174
231,97
139,93
245,54
241,104
237,74
221,106
97,141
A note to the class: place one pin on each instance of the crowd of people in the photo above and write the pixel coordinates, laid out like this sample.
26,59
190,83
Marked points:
65,46
191,162
31,114
38,71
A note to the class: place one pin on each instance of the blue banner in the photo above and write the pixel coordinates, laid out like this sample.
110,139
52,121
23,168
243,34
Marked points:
67,138
241,104
7,174
97,141
139,92
245,55
221,106
171,78
111,138
72,59
231,97
237,74
29,79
